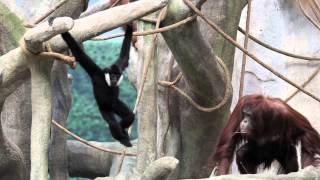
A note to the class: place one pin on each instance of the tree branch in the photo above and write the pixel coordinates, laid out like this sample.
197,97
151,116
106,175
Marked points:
160,169
35,37
41,99
98,23
13,64
195,58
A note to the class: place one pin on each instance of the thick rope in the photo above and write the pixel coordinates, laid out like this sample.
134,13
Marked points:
151,51
233,42
244,57
226,96
89,143
148,61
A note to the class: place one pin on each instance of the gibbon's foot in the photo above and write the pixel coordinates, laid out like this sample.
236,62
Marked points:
120,134
125,142
126,139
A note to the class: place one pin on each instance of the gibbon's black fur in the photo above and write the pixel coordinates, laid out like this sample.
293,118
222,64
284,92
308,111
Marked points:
105,86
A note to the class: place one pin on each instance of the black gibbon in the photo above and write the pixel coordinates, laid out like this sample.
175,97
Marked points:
105,86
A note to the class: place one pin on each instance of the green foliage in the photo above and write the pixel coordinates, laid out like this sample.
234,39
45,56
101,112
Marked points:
11,23
84,118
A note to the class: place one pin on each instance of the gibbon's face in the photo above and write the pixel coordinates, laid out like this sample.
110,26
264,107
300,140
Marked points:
113,76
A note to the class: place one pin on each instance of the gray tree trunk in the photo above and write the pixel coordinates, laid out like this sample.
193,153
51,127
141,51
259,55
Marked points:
12,160
58,161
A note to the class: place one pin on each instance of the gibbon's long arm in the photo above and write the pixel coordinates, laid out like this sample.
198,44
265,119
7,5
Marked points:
122,62
84,60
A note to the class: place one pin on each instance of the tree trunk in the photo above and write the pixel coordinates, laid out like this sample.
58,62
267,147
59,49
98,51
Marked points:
203,80
14,162
58,161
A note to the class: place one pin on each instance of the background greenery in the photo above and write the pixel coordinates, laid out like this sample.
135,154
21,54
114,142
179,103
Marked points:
84,118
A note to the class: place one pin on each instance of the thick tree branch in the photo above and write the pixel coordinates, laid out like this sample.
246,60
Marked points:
160,169
203,80
61,89
98,23
195,58
41,99
13,64
35,37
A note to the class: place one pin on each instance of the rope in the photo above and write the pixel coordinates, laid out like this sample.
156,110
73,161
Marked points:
313,75
227,92
154,31
278,50
188,19
115,3
148,61
233,42
151,50
309,17
64,58
41,18
124,151
88,143
149,20
244,57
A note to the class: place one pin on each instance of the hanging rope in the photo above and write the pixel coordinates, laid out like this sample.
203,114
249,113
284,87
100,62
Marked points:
161,16
227,37
124,151
227,92
89,143
244,57
148,61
